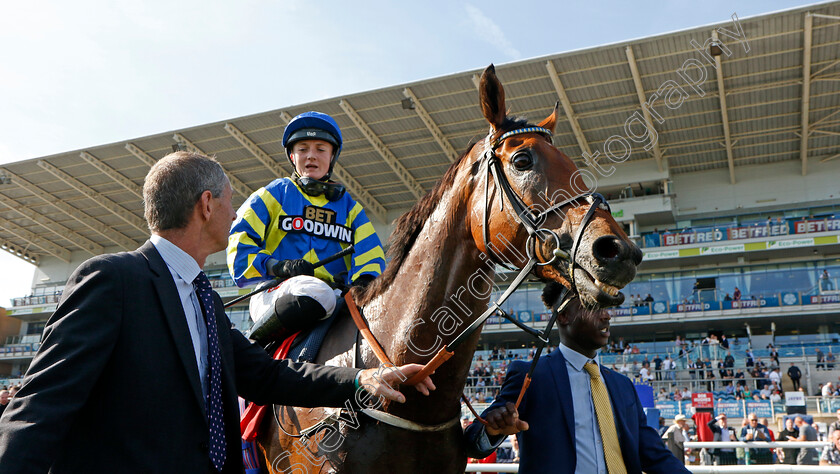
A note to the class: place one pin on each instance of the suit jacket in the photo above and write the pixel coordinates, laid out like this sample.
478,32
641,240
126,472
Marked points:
547,407
115,387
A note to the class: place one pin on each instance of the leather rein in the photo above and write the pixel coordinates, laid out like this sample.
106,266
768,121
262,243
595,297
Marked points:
531,221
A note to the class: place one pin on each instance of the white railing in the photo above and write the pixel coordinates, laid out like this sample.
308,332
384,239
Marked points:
754,469
492,468
756,444
763,469
770,469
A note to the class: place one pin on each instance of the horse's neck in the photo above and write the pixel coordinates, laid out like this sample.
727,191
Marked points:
443,284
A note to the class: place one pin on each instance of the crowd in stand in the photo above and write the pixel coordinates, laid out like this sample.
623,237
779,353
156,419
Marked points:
751,379
797,428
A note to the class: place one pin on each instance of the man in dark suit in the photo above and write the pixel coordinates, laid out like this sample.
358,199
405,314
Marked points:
562,432
129,376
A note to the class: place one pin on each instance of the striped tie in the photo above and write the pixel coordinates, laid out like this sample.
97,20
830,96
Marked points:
215,412
603,410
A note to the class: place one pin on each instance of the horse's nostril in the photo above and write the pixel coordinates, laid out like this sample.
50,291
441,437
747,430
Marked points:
606,248
637,255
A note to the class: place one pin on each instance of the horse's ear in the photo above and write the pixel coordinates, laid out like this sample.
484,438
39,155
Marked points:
551,120
491,95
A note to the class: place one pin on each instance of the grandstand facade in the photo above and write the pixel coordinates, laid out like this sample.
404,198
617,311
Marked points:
739,189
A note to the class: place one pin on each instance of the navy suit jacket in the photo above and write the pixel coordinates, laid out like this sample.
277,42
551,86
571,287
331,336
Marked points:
114,386
549,443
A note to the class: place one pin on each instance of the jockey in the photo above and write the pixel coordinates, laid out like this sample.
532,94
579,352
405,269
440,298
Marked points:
286,226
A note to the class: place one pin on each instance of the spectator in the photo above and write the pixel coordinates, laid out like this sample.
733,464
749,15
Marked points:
755,431
729,388
820,358
675,437
835,425
722,432
648,298
663,395
831,453
508,455
807,456
645,374
750,358
724,342
825,281
736,295
795,374
769,430
662,427
4,400
790,433
776,397
829,360
827,390
775,377
657,367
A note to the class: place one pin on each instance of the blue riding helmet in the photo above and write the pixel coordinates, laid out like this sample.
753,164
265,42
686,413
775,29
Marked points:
313,126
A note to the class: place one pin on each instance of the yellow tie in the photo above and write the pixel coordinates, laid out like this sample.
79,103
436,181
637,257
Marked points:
603,410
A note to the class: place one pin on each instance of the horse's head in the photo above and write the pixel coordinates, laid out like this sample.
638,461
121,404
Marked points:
558,219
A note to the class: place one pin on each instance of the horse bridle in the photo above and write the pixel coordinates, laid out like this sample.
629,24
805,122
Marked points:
531,222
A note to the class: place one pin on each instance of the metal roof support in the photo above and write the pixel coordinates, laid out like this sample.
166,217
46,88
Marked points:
724,115
640,91
20,252
91,223
567,107
113,174
806,92
386,154
241,188
255,150
54,227
55,250
359,193
139,153
448,150
127,216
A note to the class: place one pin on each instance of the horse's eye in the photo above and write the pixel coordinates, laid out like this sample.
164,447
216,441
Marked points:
523,161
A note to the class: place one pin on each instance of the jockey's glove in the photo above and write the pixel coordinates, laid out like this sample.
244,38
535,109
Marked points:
286,269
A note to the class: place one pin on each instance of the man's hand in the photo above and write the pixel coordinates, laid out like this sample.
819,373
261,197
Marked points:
504,421
381,381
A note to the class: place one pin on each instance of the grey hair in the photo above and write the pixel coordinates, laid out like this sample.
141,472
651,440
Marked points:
174,185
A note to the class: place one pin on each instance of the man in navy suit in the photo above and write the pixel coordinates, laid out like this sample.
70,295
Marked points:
561,434
123,381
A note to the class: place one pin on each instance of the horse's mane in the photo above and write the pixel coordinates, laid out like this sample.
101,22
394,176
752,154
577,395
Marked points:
408,226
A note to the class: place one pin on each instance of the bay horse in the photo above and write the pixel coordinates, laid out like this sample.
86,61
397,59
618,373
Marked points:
443,255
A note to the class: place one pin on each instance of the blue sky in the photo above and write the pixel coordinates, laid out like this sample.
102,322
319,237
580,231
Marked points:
84,73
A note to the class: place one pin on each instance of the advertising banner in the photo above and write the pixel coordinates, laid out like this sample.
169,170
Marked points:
816,225
760,408
668,409
733,409
703,400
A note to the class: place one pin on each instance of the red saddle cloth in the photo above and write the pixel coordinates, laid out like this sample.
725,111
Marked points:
249,423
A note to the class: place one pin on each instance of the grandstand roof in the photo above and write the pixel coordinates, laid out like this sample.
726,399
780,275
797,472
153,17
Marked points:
400,139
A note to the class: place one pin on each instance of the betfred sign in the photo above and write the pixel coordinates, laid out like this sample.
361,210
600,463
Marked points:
702,400
796,399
